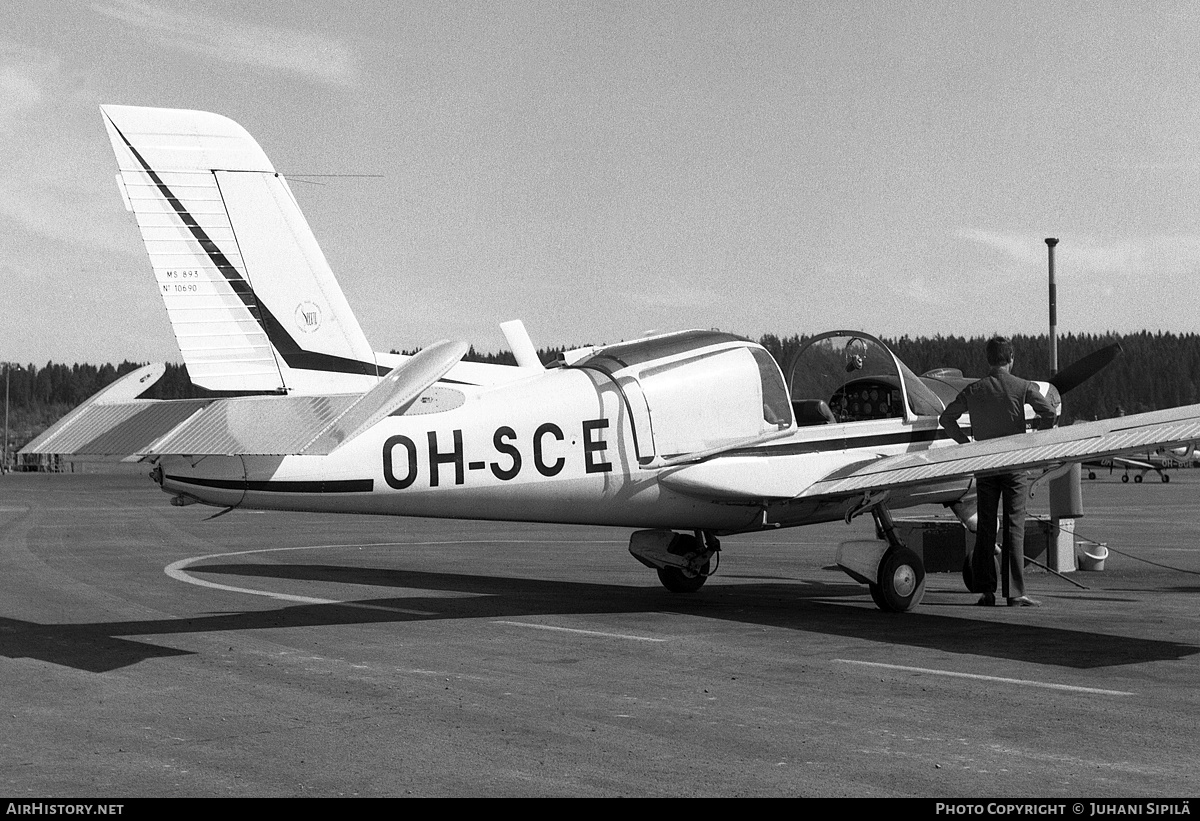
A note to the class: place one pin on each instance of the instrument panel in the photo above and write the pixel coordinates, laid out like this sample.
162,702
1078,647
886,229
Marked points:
865,399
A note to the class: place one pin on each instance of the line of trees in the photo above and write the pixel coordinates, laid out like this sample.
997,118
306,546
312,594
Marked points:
65,386
1155,371
37,397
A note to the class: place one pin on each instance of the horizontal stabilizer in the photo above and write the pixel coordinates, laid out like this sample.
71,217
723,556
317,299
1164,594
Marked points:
254,425
248,425
398,390
114,422
130,386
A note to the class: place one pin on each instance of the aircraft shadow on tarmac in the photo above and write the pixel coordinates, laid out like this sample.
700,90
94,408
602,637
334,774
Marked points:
809,608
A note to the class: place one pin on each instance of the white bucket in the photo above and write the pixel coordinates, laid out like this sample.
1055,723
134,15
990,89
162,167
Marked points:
1091,556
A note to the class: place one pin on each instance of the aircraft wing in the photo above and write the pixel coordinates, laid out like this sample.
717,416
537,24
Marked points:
1123,462
1109,437
115,423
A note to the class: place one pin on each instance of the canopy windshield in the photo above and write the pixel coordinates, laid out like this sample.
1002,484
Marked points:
859,379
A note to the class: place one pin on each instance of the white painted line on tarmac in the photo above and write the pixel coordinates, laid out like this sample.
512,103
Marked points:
386,608
1026,682
176,570
581,632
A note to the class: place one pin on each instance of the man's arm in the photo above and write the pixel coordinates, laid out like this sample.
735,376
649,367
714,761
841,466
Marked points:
949,419
1042,407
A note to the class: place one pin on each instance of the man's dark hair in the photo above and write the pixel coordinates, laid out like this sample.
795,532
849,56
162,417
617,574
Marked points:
999,351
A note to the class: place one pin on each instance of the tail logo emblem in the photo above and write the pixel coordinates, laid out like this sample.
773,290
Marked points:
308,317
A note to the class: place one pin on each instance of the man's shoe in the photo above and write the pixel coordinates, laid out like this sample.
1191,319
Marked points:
986,600
1023,601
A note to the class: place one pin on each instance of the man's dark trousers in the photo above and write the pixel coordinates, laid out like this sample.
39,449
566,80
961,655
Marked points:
1013,489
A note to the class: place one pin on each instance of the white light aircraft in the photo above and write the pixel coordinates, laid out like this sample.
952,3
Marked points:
1156,460
685,436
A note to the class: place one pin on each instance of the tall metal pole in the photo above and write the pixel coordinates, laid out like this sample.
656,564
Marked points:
1066,491
4,456
1050,243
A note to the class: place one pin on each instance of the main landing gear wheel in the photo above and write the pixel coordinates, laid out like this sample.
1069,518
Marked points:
968,572
895,577
677,581
1137,479
877,597
1166,478
1125,478
901,584
683,561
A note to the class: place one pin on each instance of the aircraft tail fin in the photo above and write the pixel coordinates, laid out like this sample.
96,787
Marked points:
251,298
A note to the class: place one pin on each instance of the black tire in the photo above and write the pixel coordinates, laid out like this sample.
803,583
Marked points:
968,574
901,580
676,581
1091,474
1137,479
1125,477
1166,478
877,596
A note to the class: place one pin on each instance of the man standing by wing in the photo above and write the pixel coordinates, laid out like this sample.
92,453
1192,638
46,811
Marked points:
996,405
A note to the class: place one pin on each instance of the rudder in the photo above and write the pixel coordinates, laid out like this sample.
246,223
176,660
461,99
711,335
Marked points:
251,298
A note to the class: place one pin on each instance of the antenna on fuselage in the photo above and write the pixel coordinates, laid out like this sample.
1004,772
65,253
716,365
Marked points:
520,344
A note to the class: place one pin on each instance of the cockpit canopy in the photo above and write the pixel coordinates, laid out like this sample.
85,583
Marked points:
849,376
695,391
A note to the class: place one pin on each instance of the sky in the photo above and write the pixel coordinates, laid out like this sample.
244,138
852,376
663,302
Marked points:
602,170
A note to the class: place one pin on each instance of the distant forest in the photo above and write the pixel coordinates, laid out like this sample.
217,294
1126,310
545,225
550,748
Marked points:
1155,371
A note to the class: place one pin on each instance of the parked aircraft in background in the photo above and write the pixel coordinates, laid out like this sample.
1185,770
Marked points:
685,436
1156,460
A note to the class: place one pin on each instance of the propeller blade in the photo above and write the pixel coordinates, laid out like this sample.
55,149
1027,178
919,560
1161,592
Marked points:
1079,372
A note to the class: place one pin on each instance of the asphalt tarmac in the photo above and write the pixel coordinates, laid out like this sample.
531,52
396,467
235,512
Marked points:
147,650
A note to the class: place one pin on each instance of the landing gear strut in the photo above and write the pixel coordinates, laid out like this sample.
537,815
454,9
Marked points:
894,574
901,577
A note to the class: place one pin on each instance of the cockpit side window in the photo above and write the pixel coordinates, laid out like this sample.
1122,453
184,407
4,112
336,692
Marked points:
777,409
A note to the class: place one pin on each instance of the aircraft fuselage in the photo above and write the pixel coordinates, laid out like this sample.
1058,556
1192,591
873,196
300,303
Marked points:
559,446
